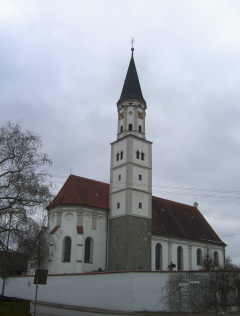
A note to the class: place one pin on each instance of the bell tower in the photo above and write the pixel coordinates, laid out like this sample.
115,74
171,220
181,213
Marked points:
129,244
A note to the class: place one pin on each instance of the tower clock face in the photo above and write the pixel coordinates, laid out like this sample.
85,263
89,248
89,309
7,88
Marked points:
121,115
140,115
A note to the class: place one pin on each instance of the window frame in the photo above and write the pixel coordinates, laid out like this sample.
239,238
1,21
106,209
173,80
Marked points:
88,250
216,259
67,249
180,258
199,257
158,256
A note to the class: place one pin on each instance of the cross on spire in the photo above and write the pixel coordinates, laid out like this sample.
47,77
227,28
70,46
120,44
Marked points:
132,41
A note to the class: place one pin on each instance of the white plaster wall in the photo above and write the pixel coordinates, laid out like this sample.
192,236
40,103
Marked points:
184,245
117,148
119,184
111,291
141,146
52,219
99,246
68,228
141,121
167,256
130,117
118,197
165,260
140,184
195,247
144,198
79,254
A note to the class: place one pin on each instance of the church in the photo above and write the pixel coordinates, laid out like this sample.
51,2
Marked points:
95,226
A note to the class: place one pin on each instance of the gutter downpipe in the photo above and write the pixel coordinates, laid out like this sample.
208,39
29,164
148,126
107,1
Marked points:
107,237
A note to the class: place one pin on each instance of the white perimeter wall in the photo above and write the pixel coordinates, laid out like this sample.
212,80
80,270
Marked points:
133,291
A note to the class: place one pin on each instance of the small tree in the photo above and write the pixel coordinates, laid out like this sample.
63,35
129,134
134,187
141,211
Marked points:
35,243
208,262
213,291
229,265
24,185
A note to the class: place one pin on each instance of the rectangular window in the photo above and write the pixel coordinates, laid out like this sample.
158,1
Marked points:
118,205
140,205
140,177
119,177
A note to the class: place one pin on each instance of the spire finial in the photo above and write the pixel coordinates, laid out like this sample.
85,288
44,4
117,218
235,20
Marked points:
132,49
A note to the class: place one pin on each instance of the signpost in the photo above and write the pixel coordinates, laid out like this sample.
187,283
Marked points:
4,276
39,278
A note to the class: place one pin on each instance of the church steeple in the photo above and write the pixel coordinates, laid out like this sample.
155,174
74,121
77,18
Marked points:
131,88
131,105
130,182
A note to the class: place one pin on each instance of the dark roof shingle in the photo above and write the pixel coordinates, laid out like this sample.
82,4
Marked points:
179,220
131,88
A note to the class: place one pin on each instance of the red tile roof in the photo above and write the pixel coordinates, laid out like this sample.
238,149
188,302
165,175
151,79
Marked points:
78,190
179,220
169,218
80,230
53,231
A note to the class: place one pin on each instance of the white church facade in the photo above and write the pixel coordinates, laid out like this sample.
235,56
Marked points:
120,226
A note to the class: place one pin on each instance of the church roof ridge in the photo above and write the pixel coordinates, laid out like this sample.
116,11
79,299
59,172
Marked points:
75,176
131,87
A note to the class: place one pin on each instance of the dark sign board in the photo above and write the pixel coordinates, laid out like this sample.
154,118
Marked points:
40,277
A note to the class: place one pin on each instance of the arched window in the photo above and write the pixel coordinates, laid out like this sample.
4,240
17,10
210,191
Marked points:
130,127
117,156
67,243
199,257
140,128
180,258
142,156
158,259
121,155
121,129
88,254
137,154
216,259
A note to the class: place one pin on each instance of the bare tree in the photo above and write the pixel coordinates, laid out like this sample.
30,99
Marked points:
229,265
35,243
24,185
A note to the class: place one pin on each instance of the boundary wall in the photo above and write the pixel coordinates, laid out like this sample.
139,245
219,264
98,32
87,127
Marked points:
119,291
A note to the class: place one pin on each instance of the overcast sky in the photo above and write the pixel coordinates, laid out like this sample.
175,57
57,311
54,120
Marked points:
63,64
